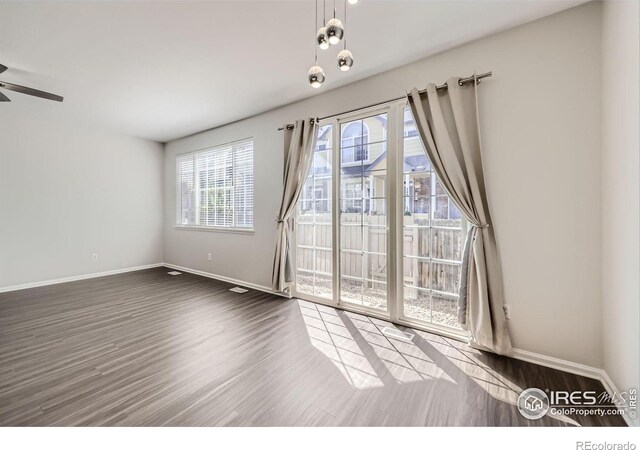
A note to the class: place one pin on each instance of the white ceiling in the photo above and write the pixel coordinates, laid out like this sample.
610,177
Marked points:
162,70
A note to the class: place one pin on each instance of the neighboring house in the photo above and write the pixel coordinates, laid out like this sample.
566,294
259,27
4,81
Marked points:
363,168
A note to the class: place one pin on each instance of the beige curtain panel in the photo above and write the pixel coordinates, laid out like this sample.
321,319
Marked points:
447,121
299,144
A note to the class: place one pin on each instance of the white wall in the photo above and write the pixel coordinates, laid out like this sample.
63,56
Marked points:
67,191
620,192
540,115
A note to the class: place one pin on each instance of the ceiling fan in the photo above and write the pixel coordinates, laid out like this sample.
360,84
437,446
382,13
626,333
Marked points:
24,90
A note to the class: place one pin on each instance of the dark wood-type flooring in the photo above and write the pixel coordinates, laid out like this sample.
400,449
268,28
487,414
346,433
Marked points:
149,349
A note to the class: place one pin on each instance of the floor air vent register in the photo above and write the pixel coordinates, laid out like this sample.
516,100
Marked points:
239,290
397,334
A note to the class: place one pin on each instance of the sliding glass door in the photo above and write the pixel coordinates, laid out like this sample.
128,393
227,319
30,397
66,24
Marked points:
433,234
314,224
375,230
363,214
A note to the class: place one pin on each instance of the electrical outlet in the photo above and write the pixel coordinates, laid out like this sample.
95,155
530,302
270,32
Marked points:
507,311
94,257
208,256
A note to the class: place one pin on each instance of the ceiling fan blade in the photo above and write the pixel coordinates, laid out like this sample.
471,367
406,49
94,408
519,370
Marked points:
2,68
30,91
4,98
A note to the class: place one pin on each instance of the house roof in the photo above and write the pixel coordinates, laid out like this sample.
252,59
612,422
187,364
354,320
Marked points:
415,163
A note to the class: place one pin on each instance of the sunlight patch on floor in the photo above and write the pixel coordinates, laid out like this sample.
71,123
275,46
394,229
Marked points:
405,361
329,335
402,360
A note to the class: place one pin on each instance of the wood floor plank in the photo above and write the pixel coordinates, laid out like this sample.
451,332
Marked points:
149,349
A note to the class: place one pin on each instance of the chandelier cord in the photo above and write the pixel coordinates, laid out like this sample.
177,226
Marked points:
314,33
345,24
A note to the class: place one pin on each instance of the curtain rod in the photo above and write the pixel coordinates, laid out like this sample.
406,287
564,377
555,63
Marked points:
442,86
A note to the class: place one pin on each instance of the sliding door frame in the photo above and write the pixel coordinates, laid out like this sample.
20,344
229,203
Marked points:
394,224
400,318
333,302
390,110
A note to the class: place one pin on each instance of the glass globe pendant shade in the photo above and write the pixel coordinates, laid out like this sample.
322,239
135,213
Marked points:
322,38
353,2
335,31
316,76
345,60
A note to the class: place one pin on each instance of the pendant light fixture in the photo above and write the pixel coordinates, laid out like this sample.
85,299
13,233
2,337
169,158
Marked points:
335,29
327,35
321,36
316,74
345,58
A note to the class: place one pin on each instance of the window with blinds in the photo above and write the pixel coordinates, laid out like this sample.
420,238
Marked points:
215,187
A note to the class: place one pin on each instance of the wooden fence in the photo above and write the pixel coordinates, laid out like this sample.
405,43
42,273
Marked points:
446,239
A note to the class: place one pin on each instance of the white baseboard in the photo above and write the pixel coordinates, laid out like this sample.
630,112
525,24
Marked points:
18,287
257,287
557,363
575,368
611,388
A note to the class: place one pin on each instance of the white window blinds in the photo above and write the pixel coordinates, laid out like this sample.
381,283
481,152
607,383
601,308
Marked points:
215,187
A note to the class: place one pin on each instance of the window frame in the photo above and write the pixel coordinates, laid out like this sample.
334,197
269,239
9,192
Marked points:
214,228
354,148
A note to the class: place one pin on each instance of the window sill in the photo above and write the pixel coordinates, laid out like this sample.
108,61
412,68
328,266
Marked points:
215,229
